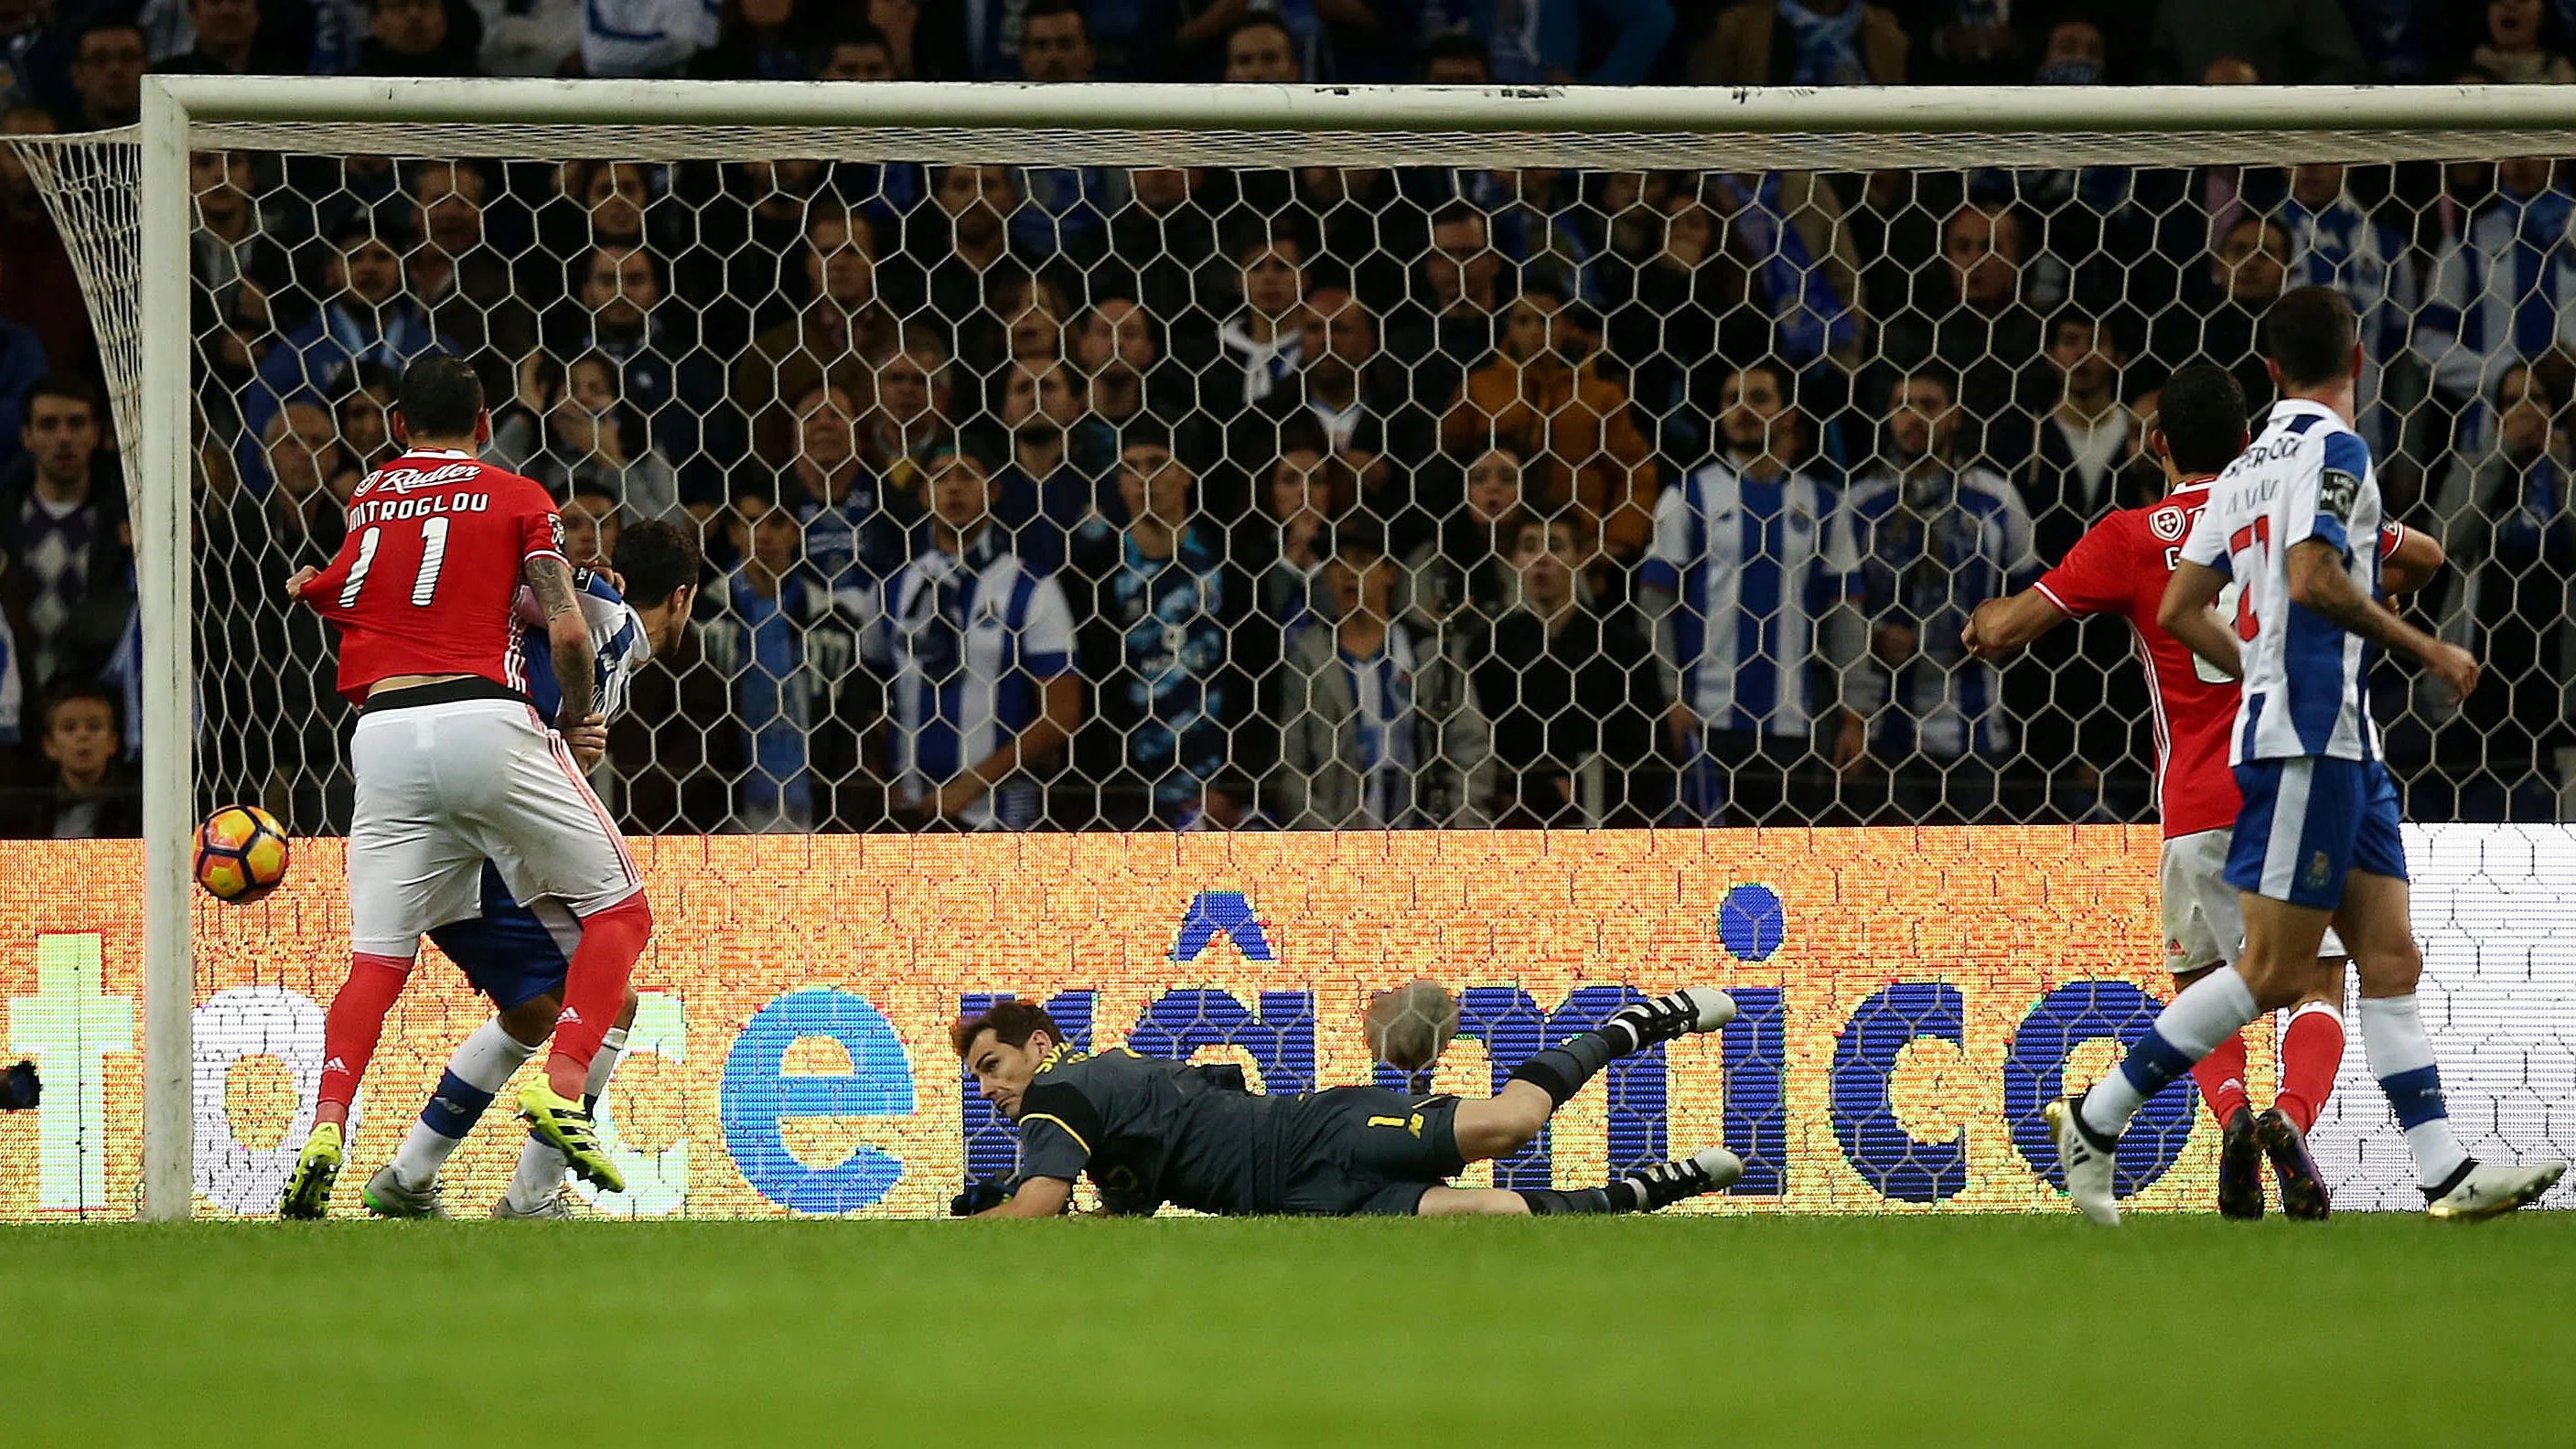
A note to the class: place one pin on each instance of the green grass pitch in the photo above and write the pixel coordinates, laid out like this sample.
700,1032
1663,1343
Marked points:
1948,1330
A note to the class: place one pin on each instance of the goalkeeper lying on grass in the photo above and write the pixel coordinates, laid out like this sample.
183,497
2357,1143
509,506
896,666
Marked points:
1151,1131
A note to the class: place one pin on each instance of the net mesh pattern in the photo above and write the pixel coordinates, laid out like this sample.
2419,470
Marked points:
1427,549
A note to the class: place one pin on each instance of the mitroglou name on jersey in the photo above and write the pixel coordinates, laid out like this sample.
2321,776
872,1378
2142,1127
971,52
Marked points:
388,510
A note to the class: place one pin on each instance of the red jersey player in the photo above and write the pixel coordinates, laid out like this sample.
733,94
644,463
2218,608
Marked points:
453,764
2120,568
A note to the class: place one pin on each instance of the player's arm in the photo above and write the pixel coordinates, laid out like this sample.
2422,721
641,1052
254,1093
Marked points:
2003,627
567,635
2409,559
2095,577
1037,1197
2319,585
311,586
2185,613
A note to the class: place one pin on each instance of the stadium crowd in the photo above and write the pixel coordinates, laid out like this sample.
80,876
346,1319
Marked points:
1074,496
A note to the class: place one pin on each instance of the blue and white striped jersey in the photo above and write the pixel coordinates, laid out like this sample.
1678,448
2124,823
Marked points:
1931,549
2504,291
2308,476
966,644
1753,566
2340,245
616,636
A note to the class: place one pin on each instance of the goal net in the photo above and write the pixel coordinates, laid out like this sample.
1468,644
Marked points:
1249,461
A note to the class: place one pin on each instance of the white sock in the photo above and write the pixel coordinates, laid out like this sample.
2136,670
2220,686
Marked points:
541,1168
2208,1012
478,1071
594,1086
540,1175
2401,1057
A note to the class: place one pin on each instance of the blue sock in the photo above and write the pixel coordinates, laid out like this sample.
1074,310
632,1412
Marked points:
480,1069
2401,1057
2208,1012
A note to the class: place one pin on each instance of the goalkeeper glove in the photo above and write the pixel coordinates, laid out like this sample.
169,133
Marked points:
980,1196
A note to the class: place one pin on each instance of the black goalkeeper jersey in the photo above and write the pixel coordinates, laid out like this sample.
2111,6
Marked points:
1151,1131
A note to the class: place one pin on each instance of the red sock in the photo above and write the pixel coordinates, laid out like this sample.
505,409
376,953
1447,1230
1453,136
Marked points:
2311,1054
351,1028
595,989
2221,1078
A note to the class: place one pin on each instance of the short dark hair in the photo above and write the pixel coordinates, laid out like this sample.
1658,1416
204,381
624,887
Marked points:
1778,371
80,42
1542,282
361,227
1073,8
1458,47
857,32
1264,234
1144,432
361,378
1363,536
64,386
1460,213
1012,1023
1931,372
66,688
2201,412
657,558
1262,20
2309,334
440,397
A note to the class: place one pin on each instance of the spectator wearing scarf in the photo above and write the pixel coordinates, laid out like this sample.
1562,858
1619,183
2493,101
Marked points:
1793,237
1785,42
2508,521
2502,287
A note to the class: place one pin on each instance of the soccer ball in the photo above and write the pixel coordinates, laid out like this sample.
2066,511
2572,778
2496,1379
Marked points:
1410,1026
241,854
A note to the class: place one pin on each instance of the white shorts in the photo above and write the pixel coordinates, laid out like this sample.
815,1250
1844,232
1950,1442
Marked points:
444,787
2203,924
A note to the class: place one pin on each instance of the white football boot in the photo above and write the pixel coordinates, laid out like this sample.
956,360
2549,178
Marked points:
1711,1169
2492,1191
2088,1164
1682,1013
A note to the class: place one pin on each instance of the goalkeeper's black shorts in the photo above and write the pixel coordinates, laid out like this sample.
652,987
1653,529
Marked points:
1355,1150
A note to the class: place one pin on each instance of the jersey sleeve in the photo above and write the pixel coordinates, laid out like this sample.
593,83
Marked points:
2206,544
1059,1131
1046,639
323,590
1668,553
2096,576
540,525
2343,461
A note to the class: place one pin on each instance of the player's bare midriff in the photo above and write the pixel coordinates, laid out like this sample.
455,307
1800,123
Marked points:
410,681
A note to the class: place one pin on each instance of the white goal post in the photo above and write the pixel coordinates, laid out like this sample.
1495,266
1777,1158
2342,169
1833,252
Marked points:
1249,126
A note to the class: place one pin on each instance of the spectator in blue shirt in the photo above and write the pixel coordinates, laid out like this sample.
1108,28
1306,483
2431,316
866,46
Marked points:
1934,538
1065,210
366,319
1160,605
977,652
1546,42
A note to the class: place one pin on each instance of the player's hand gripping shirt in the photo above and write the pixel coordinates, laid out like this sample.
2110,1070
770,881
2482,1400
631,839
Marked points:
2120,567
2308,476
426,581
